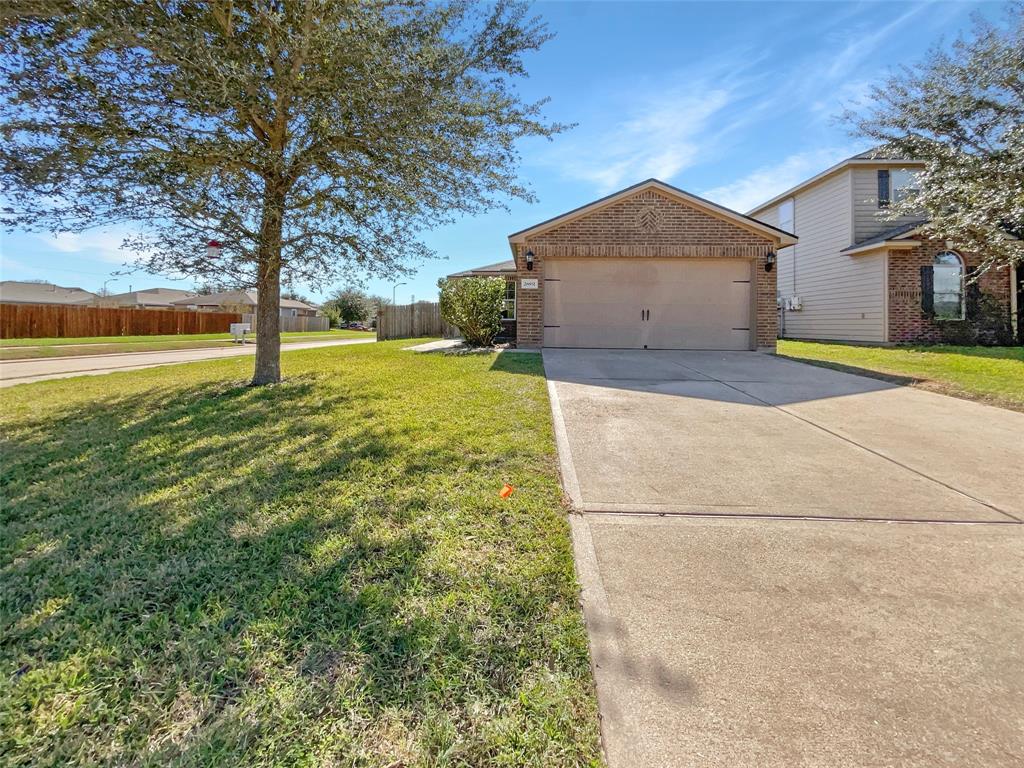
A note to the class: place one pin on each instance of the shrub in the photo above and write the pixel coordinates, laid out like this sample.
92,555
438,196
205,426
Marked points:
473,305
987,322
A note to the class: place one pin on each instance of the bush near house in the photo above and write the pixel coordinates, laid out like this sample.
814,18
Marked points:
473,305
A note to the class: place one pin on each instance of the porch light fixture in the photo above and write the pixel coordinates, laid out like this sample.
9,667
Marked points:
213,249
769,261
529,261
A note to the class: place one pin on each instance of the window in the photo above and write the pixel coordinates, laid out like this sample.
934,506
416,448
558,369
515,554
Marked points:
786,221
508,307
948,286
904,184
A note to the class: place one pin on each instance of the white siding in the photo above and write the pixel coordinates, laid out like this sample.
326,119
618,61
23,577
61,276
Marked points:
843,296
869,219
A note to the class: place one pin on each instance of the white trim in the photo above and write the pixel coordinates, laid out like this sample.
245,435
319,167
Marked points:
782,239
885,298
515,298
1016,273
850,163
898,245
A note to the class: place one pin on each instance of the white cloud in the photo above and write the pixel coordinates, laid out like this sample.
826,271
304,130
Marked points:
850,95
104,245
661,135
770,180
864,43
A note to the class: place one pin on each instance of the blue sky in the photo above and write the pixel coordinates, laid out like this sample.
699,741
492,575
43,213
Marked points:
732,101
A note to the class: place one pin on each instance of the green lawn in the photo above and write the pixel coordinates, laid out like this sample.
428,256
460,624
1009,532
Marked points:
21,349
988,374
315,573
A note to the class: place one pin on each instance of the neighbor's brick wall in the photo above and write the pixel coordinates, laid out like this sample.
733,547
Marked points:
645,225
907,323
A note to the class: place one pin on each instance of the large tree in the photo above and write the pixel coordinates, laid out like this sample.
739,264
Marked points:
961,111
308,137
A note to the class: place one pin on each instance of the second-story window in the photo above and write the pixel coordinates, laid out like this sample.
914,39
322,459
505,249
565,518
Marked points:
904,184
786,219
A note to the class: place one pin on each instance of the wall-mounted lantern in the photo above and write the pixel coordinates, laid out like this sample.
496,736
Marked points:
769,261
529,261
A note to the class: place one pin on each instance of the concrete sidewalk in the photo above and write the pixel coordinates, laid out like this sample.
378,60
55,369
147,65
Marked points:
27,371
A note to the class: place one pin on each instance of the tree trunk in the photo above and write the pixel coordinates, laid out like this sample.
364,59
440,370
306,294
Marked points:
268,287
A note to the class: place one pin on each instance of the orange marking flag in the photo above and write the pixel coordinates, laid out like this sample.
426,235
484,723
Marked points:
506,491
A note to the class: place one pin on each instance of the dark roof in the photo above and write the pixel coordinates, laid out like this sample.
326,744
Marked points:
880,153
490,269
657,181
889,234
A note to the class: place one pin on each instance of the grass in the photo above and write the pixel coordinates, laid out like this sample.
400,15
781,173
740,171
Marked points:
993,375
315,573
28,349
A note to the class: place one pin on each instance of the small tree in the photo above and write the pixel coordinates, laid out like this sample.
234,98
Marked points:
350,305
962,113
473,305
305,137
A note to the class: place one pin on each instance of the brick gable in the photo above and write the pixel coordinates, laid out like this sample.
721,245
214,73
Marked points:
646,224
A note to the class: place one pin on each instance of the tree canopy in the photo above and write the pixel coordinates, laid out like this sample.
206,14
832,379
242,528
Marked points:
310,138
350,305
961,111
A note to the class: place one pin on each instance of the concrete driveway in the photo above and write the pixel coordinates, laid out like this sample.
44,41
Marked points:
786,565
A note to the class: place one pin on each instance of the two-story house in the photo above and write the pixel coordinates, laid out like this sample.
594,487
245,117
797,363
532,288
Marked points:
857,275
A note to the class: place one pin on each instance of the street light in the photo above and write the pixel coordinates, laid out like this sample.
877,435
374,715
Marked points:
395,288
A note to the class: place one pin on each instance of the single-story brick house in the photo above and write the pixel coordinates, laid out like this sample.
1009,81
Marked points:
242,302
649,267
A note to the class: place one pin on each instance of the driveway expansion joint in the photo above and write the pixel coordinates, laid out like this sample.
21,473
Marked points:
853,442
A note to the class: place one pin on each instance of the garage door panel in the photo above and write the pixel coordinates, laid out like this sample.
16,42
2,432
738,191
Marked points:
689,303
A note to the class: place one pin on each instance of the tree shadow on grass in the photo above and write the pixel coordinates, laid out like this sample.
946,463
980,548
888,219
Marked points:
239,575
903,381
524,363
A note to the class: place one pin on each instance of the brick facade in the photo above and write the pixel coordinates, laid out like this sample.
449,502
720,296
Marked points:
647,224
909,323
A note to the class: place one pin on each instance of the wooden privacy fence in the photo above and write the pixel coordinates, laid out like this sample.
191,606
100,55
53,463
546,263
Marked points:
407,321
289,324
62,321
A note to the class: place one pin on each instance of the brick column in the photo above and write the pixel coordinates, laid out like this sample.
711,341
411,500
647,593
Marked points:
529,301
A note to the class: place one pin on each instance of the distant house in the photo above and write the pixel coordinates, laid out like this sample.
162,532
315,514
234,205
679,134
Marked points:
18,292
243,302
148,298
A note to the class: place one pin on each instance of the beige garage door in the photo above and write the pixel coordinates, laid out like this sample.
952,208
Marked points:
648,303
